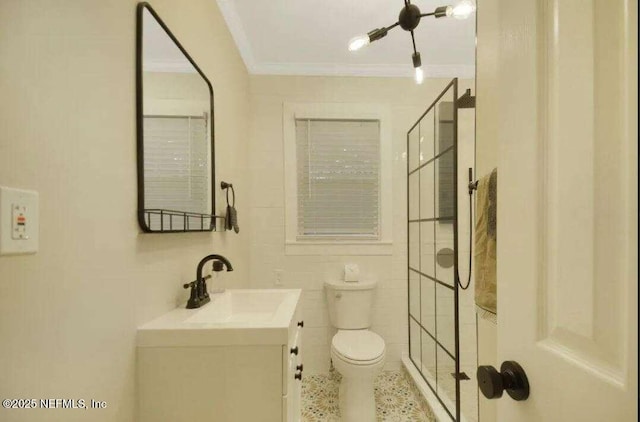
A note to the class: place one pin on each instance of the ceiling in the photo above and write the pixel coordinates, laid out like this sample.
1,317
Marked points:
160,53
310,37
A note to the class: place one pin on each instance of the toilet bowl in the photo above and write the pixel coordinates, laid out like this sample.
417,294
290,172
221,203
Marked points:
357,353
359,356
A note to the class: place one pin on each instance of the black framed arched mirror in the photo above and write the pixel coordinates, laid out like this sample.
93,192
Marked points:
175,132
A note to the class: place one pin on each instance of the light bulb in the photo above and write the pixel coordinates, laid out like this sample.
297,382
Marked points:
419,75
462,10
357,42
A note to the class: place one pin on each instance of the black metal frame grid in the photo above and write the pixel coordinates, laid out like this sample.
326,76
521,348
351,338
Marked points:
452,88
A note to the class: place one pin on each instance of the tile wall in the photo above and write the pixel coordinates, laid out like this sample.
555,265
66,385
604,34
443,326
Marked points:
406,102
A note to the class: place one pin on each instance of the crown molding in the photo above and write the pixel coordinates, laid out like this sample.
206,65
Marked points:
230,15
234,22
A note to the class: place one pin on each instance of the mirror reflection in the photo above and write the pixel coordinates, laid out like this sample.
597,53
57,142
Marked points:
176,146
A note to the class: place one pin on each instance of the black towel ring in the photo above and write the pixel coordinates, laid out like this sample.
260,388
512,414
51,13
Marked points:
233,196
229,187
231,219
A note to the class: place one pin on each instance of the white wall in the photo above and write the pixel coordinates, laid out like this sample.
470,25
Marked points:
68,314
175,93
267,250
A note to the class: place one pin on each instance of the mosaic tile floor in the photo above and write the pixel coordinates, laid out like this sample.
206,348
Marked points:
397,399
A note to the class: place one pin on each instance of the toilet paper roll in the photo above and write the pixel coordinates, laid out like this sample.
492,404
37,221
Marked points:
351,272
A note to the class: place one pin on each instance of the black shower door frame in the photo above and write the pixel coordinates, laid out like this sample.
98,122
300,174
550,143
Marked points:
453,88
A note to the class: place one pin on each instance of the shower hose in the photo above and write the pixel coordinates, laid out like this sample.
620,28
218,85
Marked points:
472,187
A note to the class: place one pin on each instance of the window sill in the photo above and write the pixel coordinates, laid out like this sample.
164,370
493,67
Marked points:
338,248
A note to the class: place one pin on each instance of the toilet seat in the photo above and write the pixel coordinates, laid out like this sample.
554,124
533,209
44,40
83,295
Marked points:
358,347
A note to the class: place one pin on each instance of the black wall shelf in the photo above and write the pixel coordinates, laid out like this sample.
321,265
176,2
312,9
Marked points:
171,221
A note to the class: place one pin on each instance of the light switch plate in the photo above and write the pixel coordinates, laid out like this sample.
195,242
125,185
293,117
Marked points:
19,221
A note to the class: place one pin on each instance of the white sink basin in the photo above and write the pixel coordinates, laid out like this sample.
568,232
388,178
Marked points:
242,307
234,317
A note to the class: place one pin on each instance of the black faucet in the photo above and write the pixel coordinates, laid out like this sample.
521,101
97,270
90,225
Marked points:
199,294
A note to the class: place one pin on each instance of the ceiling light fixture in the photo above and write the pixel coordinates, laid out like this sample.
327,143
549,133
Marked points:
408,20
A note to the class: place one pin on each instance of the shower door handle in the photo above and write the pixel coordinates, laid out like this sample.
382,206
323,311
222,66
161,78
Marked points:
511,378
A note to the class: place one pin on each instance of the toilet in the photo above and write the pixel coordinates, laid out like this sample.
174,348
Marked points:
357,353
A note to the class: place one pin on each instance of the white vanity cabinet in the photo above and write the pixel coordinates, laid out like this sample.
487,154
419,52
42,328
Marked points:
212,372
292,381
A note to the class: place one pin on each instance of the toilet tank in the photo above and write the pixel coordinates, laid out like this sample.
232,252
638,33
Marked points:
350,303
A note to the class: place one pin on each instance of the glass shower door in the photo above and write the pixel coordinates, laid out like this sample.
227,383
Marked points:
432,248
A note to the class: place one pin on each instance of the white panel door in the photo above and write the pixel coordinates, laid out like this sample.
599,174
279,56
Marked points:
567,208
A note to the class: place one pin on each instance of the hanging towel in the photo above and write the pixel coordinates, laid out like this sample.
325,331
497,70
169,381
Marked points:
486,242
231,222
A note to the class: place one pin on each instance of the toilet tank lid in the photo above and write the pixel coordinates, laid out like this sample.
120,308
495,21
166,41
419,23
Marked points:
350,285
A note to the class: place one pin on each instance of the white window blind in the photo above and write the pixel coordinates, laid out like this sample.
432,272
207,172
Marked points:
338,178
176,168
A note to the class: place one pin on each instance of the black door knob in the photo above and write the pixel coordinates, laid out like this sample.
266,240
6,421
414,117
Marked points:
298,376
511,378
294,350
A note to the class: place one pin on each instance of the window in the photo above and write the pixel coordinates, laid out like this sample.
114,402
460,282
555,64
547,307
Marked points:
338,172
176,171
338,181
